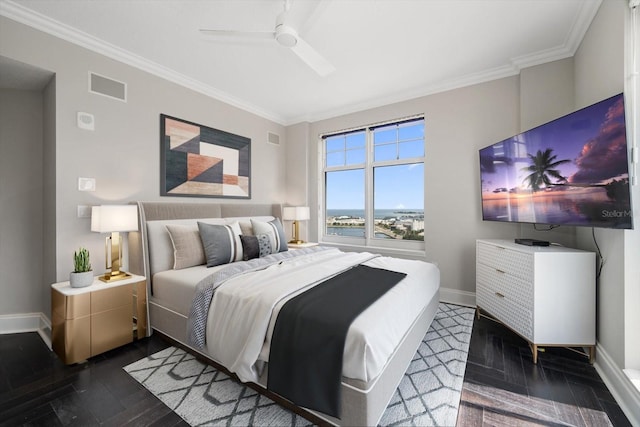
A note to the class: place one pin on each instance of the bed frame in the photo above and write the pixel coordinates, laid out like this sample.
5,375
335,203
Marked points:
360,406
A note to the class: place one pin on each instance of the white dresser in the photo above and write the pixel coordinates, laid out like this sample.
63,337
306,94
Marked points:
545,294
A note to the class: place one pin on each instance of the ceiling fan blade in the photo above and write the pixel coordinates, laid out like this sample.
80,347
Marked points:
312,58
239,34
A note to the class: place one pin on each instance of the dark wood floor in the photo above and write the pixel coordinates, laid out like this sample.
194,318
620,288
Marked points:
502,386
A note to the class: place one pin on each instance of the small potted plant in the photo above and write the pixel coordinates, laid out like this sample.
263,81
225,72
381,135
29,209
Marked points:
82,274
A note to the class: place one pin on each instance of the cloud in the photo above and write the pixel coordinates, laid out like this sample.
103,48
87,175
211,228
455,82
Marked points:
604,156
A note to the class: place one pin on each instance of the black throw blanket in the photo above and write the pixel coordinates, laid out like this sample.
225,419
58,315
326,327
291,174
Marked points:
307,345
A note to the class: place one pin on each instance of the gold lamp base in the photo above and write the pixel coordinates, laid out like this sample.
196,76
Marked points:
114,276
296,242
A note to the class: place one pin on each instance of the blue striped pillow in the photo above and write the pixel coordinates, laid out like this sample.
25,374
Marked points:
221,243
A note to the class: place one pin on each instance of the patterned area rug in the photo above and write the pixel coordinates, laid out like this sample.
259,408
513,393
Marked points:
429,393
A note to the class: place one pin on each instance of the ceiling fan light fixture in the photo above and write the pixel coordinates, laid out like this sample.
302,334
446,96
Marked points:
286,36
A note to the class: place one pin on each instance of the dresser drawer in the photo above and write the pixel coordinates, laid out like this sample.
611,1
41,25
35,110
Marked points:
516,263
517,317
514,288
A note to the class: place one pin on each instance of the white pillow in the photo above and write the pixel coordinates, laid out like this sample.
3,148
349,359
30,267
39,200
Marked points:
274,230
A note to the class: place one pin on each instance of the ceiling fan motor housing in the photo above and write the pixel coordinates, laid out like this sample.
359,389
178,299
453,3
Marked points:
285,35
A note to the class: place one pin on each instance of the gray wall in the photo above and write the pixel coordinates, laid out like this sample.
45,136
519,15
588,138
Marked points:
600,73
21,200
457,124
123,153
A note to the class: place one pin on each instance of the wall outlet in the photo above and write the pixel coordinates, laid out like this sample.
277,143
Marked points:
86,184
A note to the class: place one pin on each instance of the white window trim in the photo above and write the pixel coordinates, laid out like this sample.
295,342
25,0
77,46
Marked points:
408,248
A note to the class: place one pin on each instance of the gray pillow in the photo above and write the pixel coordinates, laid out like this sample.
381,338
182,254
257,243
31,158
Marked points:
221,243
275,232
255,246
250,247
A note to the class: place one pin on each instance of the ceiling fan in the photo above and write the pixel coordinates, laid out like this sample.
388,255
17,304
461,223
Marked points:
287,36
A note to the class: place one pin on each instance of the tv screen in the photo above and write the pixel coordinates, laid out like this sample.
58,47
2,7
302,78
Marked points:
571,171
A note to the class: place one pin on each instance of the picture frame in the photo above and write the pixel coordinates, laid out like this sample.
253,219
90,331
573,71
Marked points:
199,161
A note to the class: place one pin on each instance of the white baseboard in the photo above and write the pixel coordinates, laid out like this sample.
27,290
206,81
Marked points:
626,394
27,322
455,296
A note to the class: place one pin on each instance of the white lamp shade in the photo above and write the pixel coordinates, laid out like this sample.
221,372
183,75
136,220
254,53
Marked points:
295,213
109,218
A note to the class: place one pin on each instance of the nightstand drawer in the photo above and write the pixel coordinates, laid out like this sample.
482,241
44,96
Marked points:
70,308
111,329
108,299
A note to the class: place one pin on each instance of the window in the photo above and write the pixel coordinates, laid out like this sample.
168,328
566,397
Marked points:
373,188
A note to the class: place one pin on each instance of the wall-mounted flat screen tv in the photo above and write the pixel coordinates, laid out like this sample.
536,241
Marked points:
571,171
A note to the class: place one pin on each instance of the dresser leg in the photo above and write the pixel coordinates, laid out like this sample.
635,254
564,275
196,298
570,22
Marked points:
534,353
592,354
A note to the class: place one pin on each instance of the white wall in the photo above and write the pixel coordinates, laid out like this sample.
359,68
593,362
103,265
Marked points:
123,153
21,198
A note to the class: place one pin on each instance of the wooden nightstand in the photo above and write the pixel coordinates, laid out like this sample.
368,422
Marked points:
91,320
301,245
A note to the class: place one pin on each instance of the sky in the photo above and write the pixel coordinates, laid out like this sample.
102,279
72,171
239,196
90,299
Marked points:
593,139
396,187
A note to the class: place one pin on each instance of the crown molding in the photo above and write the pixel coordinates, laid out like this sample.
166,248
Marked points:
587,12
23,15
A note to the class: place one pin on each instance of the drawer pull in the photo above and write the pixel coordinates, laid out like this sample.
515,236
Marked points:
499,295
500,271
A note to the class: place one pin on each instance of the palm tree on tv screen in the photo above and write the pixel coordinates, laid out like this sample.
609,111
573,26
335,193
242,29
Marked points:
543,168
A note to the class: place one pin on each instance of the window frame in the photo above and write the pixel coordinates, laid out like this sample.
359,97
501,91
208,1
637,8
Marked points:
369,167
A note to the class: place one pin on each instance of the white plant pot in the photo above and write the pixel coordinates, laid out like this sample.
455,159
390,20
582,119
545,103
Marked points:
80,280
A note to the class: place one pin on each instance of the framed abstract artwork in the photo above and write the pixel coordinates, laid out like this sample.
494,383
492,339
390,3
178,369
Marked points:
198,161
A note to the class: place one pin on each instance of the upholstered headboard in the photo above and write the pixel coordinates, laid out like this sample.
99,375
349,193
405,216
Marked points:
139,249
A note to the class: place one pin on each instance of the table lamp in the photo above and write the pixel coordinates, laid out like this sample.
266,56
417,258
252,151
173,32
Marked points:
296,214
114,219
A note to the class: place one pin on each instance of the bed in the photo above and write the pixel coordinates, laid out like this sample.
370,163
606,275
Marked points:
380,343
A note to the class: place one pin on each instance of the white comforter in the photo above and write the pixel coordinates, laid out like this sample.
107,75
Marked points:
243,311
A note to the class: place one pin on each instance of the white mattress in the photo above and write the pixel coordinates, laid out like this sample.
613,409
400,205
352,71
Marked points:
174,289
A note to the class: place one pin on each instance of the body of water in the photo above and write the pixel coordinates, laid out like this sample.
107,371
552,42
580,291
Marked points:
377,214
352,232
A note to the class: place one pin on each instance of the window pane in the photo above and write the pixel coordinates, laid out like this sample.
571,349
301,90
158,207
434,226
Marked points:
385,134
356,140
398,199
335,143
344,199
355,157
411,149
385,152
335,159
411,131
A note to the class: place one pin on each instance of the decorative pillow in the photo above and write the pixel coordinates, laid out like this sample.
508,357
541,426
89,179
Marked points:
264,244
250,247
221,243
255,246
246,228
187,246
275,232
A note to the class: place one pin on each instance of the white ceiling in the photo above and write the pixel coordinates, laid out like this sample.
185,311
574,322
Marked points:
384,50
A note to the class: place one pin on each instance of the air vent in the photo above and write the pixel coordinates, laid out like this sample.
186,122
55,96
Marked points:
273,138
106,86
